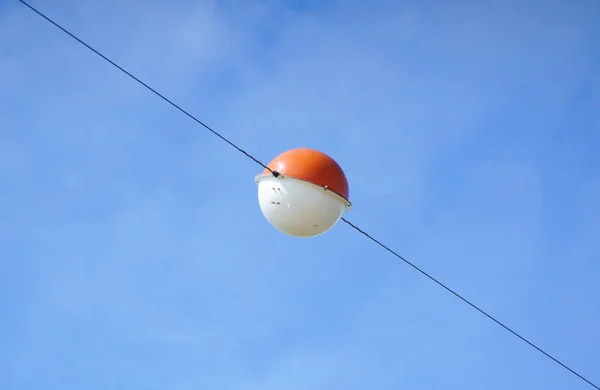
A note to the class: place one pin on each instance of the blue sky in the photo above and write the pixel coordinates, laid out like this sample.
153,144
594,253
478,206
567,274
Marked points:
133,253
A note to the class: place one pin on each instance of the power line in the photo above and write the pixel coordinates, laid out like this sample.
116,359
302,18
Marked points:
147,86
466,300
367,235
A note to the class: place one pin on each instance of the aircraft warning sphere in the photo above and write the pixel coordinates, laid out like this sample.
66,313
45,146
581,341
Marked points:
308,196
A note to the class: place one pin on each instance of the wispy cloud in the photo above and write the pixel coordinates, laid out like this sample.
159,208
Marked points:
134,253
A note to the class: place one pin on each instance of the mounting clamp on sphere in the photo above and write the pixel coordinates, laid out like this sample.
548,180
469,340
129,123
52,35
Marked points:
307,197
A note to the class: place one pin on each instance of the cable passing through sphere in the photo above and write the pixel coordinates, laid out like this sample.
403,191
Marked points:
303,193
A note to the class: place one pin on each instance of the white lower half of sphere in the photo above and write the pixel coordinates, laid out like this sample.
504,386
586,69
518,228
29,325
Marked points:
298,208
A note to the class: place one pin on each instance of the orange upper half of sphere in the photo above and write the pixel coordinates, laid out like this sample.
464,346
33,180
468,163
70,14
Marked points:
314,167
